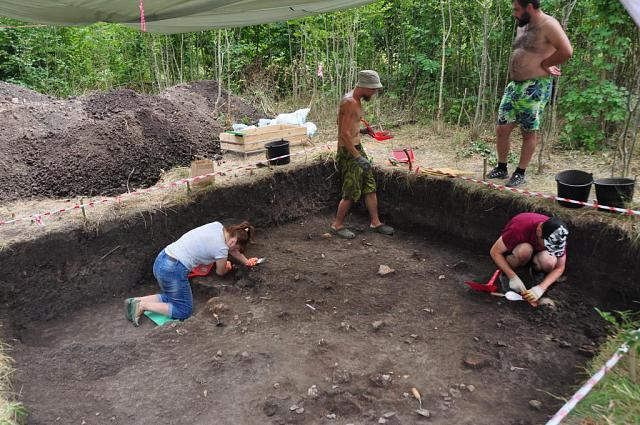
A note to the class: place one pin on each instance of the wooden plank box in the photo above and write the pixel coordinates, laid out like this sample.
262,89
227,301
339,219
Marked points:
253,140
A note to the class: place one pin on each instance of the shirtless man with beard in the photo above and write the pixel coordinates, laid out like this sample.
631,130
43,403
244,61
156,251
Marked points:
539,47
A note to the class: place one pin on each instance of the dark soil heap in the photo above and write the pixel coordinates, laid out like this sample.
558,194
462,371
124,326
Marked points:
97,144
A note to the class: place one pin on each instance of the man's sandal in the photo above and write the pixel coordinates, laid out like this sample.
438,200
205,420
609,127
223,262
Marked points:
343,232
383,229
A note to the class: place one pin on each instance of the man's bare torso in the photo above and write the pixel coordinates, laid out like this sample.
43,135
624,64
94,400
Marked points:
349,115
530,47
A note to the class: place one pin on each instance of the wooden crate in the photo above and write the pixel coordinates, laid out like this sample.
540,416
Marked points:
253,140
200,167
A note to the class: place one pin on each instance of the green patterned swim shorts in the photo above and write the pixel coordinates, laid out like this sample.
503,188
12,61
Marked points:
524,101
355,182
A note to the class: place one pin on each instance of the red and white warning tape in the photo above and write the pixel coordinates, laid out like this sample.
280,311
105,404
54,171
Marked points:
584,390
38,218
492,185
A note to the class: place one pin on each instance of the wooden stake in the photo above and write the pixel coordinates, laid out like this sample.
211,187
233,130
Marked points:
633,364
484,168
84,214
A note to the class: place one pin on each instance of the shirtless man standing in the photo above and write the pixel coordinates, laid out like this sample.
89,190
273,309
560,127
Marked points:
355,168
540,45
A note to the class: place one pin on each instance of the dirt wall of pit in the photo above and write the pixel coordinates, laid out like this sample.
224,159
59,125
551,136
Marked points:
63,271
602,253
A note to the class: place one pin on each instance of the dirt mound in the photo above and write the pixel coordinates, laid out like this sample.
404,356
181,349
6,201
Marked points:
13,93
104,143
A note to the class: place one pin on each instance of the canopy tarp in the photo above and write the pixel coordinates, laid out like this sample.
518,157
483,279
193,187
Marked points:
169,16
633,6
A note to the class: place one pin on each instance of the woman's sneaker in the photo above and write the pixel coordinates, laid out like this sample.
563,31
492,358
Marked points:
134,311
127,313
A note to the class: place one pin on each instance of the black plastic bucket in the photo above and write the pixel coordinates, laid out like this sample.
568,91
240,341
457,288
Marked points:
615,192
574,184
277,149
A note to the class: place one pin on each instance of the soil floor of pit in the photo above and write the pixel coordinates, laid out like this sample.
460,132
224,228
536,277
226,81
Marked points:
305,318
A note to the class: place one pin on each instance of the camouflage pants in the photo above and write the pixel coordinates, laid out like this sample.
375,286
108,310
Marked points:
355,182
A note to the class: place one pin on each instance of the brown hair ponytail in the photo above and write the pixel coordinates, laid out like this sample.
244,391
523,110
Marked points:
243,232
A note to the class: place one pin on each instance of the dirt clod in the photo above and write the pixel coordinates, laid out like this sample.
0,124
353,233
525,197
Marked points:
477,361
380,380
341,376
271,406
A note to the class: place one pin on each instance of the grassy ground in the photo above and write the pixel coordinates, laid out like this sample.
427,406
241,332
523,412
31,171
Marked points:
616,399
452,147
10,411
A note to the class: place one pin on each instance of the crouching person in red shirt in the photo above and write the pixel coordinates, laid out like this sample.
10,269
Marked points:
532,238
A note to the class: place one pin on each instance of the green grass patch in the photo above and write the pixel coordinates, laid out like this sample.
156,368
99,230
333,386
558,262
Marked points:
616,399
11,411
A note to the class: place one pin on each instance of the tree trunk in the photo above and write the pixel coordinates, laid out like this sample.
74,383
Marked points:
445,36
480,104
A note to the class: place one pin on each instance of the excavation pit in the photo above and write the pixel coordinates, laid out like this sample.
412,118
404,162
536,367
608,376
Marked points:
315,327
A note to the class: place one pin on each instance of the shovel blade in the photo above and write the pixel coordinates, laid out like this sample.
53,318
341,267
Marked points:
423,412
513,296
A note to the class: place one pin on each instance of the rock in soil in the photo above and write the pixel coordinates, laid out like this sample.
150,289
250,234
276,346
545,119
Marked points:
313,392
455,393
384,270
377,325
535,404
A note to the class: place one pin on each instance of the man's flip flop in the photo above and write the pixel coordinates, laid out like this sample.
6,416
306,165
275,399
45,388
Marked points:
383,229
343,233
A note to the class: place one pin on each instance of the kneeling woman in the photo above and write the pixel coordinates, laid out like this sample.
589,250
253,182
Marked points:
206,244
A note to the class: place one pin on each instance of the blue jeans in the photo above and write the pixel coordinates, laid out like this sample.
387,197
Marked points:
173,278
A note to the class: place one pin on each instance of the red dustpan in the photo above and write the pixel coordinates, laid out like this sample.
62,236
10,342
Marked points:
378,135
201,270
403,155
490,286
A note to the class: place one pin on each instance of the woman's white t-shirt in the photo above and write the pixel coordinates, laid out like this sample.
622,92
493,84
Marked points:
202,245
